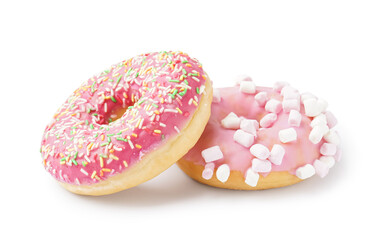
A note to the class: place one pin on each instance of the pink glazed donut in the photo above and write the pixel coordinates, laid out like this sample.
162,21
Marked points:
260,138
128,124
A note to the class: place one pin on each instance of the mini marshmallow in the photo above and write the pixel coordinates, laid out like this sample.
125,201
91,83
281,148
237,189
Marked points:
240,78
331,119
231,121
289,92
295,118
243,138
261,98
223,173
305,172
216,96
268,120
208,171
249,126
287,135
212,154
273,106
330,161
319,120
279,85
332,137
248,87
276,154
317,133
260,151
259,165
307,95
314,107
251,178
321,168
290,104
328,149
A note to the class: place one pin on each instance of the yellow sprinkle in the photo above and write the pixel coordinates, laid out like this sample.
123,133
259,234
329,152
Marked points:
97,177
106,170
138,123
102,137
90,146
113,157
63,162
101,162
124,95
179,110
195,103
162,100
125,163
138,146
188,65
157,131
93,174
156,112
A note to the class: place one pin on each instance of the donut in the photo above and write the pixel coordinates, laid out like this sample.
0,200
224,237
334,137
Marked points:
263,137
127,124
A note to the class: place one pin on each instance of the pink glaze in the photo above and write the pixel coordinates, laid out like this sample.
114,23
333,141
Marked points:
238,157
161,91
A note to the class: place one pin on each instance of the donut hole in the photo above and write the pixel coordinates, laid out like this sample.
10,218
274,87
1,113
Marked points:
116,114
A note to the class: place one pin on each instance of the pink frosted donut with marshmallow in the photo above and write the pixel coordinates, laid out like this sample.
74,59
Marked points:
294,138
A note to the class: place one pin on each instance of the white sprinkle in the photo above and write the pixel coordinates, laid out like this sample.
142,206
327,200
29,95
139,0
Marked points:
131,144
305,172
251,178
176,128
162,124
223,173
83,171
287,135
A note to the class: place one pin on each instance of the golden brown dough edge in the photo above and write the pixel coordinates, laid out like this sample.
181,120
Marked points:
236,179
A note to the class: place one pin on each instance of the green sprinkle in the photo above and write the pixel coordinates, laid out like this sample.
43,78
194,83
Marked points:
171,95
174,80
184,71
74,161
163,65
119,133
63,159
175,92
155,105
75,156
86,122
122,139
103,156
119,79
186,82
110,120
113,99
128,72
137,74
91,126
95,114
130,107
162,137
109,140
110,135
104,144
198,90
111,80
92,87
183,92
142,101
184,61
84,163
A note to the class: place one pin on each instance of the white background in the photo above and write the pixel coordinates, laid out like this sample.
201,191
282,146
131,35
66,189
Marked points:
329,48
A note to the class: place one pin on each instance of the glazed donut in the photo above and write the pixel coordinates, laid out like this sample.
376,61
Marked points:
260,138
128,124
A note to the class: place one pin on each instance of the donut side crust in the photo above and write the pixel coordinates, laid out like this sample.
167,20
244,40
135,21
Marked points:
236,180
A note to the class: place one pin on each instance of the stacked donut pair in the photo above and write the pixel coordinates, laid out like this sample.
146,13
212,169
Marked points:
131,122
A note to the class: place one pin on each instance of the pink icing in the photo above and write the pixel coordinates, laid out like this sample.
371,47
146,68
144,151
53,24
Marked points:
160,92
238,157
